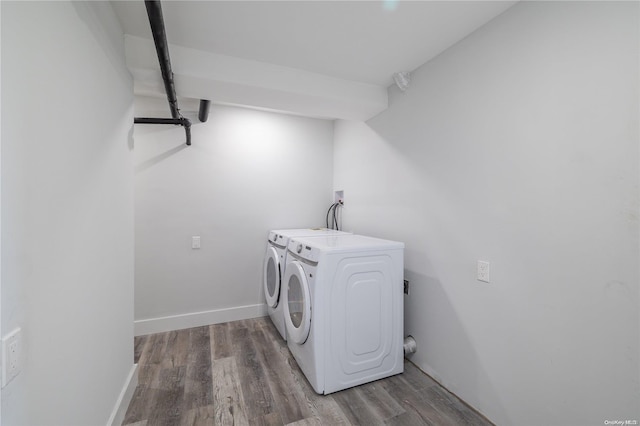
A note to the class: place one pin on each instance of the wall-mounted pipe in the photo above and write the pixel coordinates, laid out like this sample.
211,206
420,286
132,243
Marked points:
203,112
154,11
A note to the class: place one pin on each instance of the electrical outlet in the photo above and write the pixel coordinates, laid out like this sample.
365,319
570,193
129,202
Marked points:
406,287
483,271
11,356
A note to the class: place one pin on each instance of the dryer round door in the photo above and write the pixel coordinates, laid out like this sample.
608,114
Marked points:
297,303
271,277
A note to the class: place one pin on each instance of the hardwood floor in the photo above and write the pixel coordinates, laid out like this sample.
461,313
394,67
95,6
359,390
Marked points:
241,373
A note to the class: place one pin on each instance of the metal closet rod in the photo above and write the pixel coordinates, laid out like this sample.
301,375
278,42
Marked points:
154,11
181,121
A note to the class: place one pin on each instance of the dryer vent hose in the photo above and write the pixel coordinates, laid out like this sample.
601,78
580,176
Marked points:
410,345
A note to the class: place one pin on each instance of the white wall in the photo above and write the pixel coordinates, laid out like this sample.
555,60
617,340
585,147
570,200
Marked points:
517,146
246,172
67,210
0,194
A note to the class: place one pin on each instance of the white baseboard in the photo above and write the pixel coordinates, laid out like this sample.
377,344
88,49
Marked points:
197,319
120,409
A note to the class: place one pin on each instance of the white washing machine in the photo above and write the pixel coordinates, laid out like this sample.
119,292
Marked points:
344,309
274,268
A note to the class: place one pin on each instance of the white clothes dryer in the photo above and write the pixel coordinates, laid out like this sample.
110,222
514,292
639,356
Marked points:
274,268
344,309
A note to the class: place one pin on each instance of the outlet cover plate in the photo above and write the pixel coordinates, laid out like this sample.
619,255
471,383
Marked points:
11,356
483,271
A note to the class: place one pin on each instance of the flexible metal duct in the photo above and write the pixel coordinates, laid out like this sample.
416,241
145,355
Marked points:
409,345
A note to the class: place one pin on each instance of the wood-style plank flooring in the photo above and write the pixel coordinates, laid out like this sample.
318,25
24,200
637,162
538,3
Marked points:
241,373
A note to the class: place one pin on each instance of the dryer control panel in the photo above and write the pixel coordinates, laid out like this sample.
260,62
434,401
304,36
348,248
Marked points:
304,251
277,239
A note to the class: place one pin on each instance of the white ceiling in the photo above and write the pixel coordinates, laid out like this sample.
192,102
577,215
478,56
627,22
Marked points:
351,41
